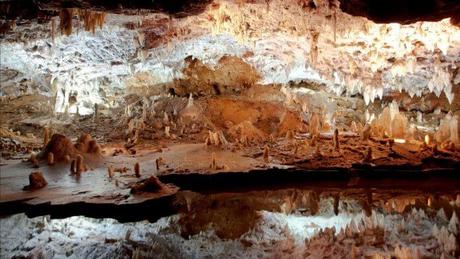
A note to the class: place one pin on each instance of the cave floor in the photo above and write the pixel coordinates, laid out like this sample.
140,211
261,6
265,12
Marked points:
253,157
188,166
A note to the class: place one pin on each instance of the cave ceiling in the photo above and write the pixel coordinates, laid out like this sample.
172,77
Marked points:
372,48
380,11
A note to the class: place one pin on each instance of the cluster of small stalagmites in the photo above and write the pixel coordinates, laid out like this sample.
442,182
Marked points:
86,144
172,124
215,138
112,170
364,236
351,241
160,120
56,149
446,235
293,201
59,148
135,128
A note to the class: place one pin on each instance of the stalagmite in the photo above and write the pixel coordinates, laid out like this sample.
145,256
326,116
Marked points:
315,125
79,166
266,154
158,162
207,141
313,140
214,138
136,136
137,170
427,140
366,132
335,139
290,135
354,127
50,158
223,141
167,134
72,167
454,224
368,155
213,165
165,118
314,47
110,171
96,112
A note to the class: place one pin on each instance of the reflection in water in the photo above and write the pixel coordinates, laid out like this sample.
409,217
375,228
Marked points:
290,222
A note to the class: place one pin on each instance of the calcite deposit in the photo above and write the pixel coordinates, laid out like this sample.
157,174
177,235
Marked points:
126,106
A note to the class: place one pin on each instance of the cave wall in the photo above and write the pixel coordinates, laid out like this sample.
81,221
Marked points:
284,41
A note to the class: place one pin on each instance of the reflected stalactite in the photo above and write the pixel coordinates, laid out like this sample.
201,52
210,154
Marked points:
66,16
91,20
